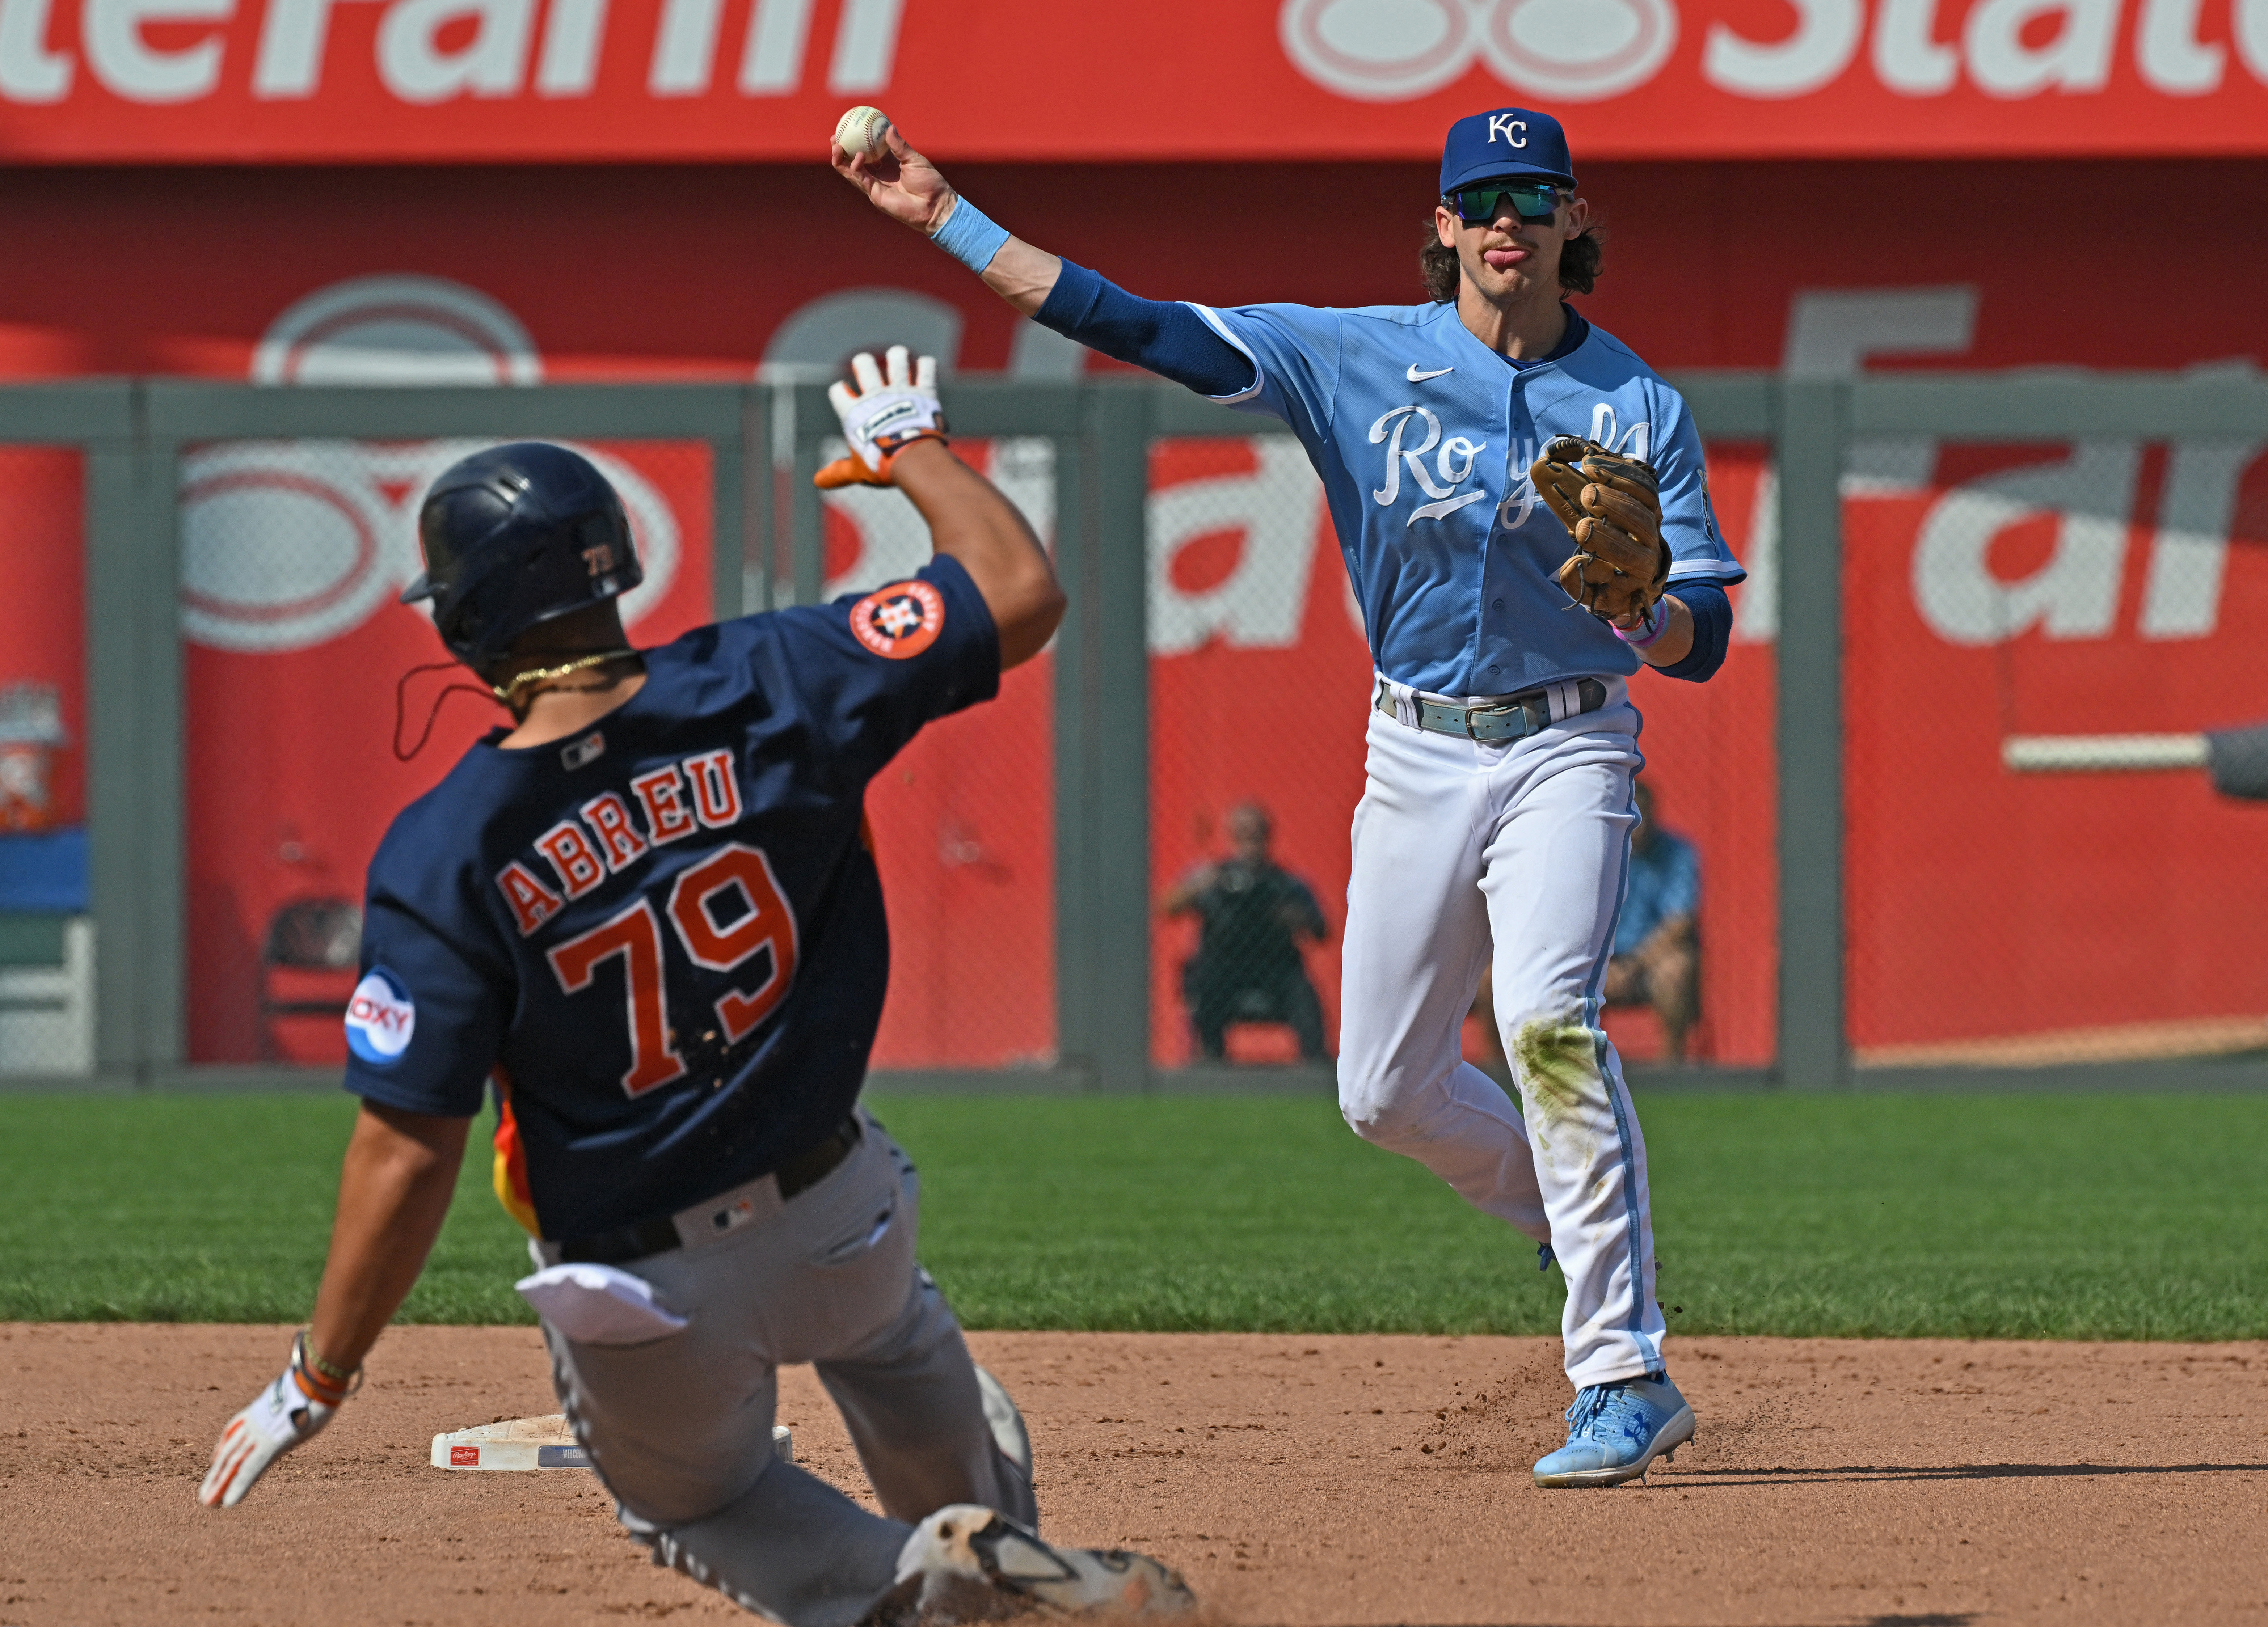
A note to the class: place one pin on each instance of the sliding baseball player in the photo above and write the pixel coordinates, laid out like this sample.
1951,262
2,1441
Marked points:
648,912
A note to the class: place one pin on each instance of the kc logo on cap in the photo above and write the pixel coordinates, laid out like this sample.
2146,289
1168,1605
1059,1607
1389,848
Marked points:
1506,141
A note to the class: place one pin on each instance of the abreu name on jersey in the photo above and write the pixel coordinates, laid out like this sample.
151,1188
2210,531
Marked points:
667,933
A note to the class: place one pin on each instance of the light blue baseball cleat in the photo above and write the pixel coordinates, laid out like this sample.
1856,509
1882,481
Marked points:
1617,1430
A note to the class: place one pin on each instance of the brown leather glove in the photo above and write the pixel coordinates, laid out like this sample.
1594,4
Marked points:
1612,506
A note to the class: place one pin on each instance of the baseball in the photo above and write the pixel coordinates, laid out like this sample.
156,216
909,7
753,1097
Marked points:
859,132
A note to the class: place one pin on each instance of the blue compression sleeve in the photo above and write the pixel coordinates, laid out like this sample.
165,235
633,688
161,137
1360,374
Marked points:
1713,631
1165,336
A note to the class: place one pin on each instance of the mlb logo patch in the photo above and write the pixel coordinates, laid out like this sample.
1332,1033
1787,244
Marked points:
381,1019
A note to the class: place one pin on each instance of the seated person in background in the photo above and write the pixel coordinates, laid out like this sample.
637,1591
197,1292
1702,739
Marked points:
1657,957
1252,914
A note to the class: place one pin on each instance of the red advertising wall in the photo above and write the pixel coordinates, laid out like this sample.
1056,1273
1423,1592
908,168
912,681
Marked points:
1982,904
1273,80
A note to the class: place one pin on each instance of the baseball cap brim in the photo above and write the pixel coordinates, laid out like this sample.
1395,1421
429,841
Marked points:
1498,169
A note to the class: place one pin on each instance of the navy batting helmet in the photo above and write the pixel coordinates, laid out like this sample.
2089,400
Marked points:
516,535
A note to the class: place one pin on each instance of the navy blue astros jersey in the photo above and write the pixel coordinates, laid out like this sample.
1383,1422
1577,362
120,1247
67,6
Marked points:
663,936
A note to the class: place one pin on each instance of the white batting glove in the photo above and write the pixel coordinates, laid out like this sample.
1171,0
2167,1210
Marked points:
291,1409
882,417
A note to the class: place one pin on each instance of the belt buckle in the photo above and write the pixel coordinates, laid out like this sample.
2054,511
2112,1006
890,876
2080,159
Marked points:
1472,712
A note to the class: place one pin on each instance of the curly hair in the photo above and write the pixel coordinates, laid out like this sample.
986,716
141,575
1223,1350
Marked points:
1437,264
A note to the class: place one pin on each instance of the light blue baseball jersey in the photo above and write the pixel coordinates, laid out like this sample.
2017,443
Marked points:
1423,436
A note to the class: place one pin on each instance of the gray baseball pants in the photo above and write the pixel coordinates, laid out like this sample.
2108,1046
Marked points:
680,1428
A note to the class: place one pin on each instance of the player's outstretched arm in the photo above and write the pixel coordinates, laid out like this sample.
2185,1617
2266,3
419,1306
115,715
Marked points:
896,427
399,1172
910,189
395,1188
1162,336
969,520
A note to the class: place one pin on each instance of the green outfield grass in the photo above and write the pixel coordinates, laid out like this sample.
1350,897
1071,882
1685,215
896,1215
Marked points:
2071,1216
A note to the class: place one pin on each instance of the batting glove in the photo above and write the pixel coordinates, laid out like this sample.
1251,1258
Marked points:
882,417
293,1409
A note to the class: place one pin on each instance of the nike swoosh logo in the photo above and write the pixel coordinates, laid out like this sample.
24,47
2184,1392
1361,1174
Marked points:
1416,377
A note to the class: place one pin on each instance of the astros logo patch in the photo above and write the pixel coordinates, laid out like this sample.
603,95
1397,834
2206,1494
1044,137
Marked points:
381,1019
899,621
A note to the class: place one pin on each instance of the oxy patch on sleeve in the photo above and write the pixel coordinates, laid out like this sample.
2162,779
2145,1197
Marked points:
381,1019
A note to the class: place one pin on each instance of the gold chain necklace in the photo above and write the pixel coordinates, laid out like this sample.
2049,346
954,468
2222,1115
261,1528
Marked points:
542,675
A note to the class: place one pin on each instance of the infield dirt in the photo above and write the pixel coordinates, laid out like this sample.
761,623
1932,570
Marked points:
1294,1480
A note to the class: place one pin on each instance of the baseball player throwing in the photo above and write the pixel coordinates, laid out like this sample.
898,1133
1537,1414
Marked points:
1464,445
648,912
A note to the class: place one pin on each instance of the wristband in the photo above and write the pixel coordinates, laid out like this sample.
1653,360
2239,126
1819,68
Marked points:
1653,634
969,236
319,1380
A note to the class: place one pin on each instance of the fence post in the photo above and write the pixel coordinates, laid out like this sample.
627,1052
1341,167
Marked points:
806,518
1809,447
1102,749
732,478
1074,858
137,877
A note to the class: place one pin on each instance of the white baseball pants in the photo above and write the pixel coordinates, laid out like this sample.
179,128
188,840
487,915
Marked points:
1526,844
680,1428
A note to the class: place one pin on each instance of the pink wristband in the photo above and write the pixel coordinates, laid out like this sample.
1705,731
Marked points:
1660,626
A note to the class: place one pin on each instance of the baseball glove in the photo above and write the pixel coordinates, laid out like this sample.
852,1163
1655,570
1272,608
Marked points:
1612,504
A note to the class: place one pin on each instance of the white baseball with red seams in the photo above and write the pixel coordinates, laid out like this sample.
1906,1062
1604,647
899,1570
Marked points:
860,132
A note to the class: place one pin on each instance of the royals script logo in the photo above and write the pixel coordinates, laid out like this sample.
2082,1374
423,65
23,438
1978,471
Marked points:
1408,433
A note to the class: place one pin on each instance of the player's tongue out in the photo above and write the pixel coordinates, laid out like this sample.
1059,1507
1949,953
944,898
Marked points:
1505,259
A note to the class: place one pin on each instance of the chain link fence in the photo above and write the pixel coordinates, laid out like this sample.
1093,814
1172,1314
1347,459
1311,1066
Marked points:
2039,863
963,819
1693,980
1258,683
318,705
1982,752
47,933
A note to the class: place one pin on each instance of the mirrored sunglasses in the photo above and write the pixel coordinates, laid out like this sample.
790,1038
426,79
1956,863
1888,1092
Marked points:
1476,206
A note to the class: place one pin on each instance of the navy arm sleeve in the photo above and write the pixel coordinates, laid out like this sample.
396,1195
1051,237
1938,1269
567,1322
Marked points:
1165,336
1713,631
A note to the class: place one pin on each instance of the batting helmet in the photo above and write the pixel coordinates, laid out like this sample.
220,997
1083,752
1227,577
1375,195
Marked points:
516,535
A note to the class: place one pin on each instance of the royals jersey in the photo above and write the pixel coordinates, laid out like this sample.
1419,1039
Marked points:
1423,436
663,937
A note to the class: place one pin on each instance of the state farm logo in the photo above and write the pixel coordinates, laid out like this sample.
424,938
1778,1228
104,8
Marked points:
1393,50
